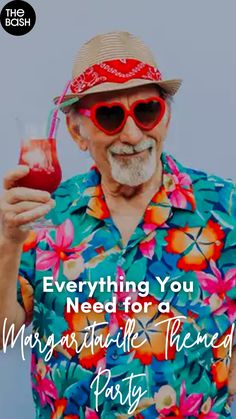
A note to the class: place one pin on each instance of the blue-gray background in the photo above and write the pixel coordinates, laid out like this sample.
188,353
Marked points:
194,40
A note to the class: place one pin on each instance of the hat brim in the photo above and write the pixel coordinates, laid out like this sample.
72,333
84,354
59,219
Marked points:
169,86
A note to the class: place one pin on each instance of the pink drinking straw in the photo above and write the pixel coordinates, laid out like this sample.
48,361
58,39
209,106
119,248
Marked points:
54,116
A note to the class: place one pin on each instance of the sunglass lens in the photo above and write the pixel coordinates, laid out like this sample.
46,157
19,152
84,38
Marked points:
148,113
110,118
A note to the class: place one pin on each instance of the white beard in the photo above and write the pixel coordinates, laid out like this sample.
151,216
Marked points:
135,170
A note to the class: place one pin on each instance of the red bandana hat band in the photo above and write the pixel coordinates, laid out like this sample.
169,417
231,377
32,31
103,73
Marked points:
114,71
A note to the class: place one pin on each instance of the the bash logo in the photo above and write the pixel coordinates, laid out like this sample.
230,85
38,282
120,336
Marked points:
18,17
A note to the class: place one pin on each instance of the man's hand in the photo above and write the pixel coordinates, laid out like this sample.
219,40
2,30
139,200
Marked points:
19,206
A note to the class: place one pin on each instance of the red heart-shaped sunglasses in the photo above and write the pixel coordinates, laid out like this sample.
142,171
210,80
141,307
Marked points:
110,117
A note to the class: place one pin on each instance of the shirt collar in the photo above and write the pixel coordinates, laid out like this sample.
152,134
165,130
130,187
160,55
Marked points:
176,191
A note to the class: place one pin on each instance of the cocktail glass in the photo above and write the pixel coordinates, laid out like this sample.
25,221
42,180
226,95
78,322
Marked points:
40,154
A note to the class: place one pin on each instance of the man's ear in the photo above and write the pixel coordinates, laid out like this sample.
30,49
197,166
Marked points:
75,133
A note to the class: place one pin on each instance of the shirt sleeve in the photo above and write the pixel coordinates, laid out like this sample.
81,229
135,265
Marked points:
230,276
26,277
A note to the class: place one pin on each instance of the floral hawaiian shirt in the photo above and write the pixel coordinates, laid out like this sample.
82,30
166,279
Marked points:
187,235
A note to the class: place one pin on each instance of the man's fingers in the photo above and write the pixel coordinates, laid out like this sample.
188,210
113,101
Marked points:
21,206
28,216
11,177
24,206
19,194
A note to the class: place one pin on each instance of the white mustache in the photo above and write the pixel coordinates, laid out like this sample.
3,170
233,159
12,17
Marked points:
130,149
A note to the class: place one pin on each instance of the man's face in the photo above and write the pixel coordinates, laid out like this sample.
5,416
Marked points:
130,157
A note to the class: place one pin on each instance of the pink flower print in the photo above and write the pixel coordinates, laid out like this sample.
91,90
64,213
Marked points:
147,246
90,414
178,186
172,165
46,391
148,227
166,402
41,234
189,406
45,388
217,286
60,249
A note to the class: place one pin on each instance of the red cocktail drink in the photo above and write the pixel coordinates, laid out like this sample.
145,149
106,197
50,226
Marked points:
45,171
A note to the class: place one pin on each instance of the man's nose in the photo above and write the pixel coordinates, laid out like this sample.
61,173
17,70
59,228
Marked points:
131,133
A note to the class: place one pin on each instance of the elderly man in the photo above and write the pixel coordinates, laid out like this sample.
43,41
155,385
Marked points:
132,295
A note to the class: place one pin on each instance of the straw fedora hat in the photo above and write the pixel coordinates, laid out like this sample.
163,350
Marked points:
114,61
